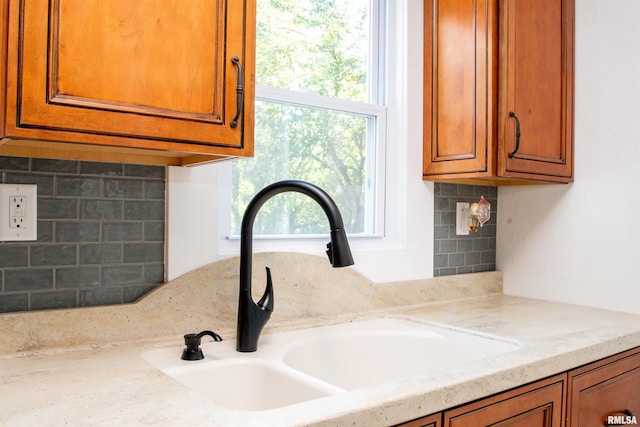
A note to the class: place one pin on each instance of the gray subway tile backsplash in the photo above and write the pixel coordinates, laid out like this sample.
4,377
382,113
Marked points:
123,188
78,187
77,277
14,163
76,231
122,275
144,210
14,256
51,300
462,254
101,209
122,231
56,209
53,254
144,171
100,235
27,279
101,296
143,252
55,166
98,168
102,253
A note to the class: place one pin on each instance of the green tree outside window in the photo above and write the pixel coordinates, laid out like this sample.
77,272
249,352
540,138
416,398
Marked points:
310,48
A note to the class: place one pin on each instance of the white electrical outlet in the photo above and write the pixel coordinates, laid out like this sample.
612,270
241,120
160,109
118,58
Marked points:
18,212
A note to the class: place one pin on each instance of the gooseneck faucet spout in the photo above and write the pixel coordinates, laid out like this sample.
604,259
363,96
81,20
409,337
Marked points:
253,316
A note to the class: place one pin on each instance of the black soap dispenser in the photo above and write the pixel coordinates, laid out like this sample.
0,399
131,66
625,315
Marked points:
192,350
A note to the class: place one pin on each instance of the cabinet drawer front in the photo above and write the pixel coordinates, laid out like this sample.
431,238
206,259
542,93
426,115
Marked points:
536,405
434,420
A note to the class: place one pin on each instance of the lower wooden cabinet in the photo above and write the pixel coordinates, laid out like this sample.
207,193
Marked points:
600,394
540,404
434,420
535,405
605,392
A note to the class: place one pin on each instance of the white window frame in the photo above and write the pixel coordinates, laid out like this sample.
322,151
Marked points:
376,110
406,250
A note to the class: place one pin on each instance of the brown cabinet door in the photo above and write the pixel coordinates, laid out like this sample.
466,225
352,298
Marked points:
540,404
536,77
460,75
609,388
147,73
486,59
434,420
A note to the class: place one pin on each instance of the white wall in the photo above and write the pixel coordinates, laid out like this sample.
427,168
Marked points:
578,243
192,218
406,252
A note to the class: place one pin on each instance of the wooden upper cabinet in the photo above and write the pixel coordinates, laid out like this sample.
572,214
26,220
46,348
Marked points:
460,82
170,80
486,59
537,87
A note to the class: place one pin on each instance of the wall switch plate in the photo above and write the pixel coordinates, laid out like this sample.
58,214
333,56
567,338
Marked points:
462,219
18,212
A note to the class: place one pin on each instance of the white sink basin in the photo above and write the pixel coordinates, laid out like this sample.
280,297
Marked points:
247,384
296,366
379,351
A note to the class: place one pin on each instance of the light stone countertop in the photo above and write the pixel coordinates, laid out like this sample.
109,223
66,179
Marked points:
83,366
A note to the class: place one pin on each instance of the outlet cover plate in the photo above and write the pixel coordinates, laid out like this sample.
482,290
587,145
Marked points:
18,212
462,215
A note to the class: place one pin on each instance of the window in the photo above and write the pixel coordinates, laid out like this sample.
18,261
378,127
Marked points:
319,116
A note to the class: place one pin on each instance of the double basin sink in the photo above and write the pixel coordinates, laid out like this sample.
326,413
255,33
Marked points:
300,365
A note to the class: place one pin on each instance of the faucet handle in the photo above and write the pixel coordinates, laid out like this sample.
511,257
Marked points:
192,350
266,302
